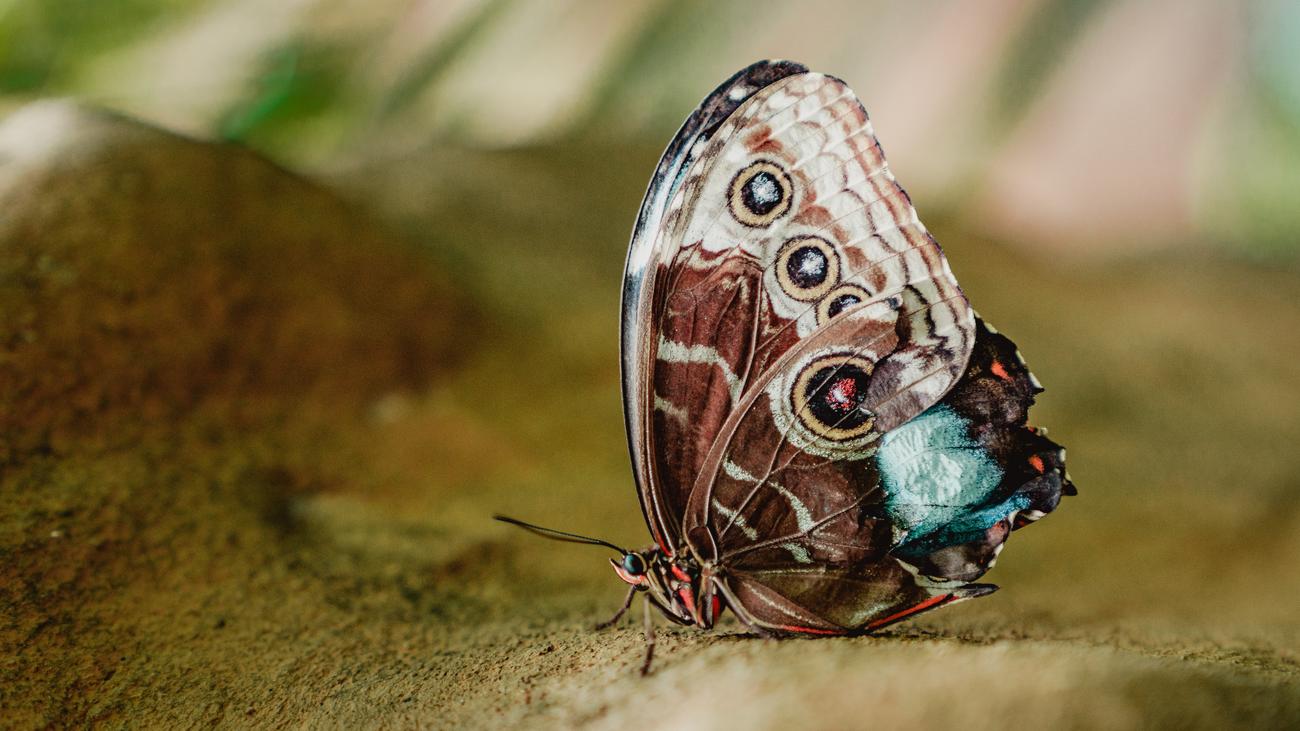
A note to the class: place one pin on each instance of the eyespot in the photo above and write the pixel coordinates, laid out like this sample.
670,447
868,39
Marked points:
839,299
828,397
760,194
807,267
634,564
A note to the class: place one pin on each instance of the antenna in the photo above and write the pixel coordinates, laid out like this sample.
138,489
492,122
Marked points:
558,535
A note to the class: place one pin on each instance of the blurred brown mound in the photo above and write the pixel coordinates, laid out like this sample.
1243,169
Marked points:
145,274
185,329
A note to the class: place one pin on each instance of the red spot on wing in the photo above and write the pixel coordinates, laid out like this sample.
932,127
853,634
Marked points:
842,395
815,216
1000,371
1037,463
760,140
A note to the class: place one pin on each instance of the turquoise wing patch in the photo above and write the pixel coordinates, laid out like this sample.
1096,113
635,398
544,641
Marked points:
938,482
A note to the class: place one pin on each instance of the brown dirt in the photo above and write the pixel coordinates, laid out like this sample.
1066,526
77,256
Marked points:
251,444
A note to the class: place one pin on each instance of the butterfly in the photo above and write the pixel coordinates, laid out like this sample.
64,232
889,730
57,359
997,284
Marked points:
826,438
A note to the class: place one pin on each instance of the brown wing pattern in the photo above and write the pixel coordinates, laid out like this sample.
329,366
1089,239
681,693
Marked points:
787,503
836,565
789,228
662,496
815,415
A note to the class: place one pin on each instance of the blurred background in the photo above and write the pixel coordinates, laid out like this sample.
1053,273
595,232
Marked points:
1079,126
250,443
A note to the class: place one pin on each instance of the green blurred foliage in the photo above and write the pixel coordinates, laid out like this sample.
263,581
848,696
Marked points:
301,81
43,42
309,89
1266,159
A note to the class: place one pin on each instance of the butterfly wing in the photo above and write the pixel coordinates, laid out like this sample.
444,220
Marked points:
789,503
784,218
992,399
808,537
813,425
663,485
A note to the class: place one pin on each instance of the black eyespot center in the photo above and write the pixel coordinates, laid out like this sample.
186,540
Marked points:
762,193
807,267
840,303
841,298
835,393
830,397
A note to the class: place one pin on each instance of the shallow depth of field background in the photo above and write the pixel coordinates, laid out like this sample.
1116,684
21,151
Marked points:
1116,184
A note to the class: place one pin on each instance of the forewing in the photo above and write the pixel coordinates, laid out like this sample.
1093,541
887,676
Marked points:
648,253
786,227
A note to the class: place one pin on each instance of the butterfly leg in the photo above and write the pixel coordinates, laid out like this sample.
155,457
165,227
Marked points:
627,602
649,639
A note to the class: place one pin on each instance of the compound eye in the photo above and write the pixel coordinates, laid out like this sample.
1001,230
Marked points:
634,564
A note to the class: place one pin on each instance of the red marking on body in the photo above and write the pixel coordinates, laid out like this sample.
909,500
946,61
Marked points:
681,575
1037,463
932,601
659,540
685,595
842,396
1000,371
717,607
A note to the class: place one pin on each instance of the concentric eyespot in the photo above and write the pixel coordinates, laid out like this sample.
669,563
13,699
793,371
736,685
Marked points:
839,299
760,194
807,267
828,397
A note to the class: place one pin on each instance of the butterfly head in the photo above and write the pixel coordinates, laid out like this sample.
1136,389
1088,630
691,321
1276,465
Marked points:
676,586
632,567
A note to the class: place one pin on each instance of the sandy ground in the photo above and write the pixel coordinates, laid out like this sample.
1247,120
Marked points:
252,440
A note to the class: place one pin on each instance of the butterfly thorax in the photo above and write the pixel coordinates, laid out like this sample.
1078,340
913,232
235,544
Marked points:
677,585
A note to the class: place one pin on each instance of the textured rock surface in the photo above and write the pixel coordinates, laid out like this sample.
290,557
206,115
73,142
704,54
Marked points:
246,483
186,331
